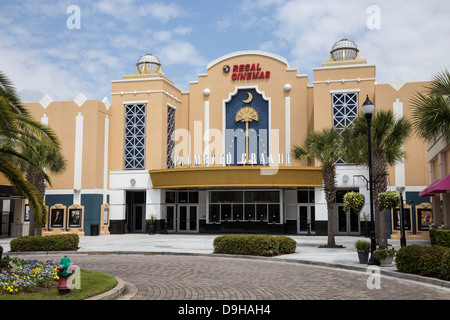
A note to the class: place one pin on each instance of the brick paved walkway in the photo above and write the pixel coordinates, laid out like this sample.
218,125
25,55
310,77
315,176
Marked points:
178,277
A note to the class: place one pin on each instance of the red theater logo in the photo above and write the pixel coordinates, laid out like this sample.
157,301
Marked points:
247,72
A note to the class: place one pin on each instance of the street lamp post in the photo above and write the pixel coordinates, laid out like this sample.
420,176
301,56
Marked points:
368,108
402,218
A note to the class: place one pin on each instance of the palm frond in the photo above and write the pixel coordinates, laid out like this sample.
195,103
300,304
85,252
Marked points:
431,116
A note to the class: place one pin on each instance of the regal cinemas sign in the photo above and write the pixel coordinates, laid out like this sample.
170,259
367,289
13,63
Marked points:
250,71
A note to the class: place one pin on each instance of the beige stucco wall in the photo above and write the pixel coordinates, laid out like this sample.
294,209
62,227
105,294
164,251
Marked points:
62,120
345,78
416,167
159,93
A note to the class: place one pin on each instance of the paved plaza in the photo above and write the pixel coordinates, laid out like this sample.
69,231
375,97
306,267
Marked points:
184,267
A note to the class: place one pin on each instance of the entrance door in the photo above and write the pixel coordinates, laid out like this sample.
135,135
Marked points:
306,219
171,218
182,218
347,222
187,218
138,224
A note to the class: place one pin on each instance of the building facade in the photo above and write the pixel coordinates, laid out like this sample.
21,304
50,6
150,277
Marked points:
218,157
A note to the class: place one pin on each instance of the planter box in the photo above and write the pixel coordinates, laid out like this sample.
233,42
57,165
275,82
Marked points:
363,257
386,262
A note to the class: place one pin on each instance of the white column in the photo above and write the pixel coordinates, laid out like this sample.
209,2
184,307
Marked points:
105,160
78,159
399,166
287,124
44,119
206,129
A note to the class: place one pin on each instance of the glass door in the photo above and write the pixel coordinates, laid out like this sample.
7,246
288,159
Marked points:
138,215
347,222
187,218
171,217
306,219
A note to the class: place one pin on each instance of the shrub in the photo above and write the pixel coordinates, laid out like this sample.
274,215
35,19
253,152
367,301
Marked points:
383,253
260,245
430,261
45,243
408,258
286,245
1,252
362,245
442,238
432,234
444,272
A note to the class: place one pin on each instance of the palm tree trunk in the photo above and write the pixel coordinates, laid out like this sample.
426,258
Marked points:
36,221
380,176
329,181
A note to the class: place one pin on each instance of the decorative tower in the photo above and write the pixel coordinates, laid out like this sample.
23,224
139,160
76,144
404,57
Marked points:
344,52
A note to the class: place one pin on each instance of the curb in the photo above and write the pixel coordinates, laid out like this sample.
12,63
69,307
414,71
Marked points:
112,294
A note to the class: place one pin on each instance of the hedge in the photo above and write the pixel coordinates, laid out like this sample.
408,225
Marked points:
259,245
58,242
407,258
444,272
431,261
439,237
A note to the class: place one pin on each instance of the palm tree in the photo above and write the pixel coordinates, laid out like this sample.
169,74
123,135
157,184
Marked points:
19,132
324,147
49,159
431,110
388,134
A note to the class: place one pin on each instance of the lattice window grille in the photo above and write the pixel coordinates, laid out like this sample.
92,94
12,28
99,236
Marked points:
170,137
345,109
134,154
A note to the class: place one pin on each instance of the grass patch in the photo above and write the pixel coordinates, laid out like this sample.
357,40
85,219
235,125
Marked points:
92,284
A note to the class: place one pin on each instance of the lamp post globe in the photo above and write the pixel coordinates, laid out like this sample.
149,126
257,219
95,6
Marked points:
368,108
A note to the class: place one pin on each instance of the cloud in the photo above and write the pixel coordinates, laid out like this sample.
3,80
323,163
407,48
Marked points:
125,9
161,11
182,52
411,41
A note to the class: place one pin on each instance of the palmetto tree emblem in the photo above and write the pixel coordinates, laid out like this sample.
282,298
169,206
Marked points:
246,114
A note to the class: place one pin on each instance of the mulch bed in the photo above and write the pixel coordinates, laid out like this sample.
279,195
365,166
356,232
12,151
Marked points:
331,246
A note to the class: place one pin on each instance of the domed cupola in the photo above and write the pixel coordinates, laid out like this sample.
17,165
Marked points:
344,52
148,64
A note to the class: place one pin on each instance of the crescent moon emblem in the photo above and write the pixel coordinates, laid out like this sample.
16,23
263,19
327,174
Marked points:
249,99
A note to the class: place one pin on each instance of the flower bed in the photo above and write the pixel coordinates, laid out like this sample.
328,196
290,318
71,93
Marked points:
18,275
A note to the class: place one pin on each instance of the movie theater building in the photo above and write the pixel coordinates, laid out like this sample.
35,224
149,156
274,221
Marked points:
218,157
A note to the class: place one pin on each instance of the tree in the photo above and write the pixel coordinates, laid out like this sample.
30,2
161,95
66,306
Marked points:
323,146
19,132
431,109
388,134
46,158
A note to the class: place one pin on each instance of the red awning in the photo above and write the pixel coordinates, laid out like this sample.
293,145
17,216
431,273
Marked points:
439,186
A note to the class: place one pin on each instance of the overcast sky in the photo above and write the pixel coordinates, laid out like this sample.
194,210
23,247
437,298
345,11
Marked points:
61,48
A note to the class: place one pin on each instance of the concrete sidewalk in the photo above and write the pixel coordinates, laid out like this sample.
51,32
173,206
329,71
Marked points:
307,246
